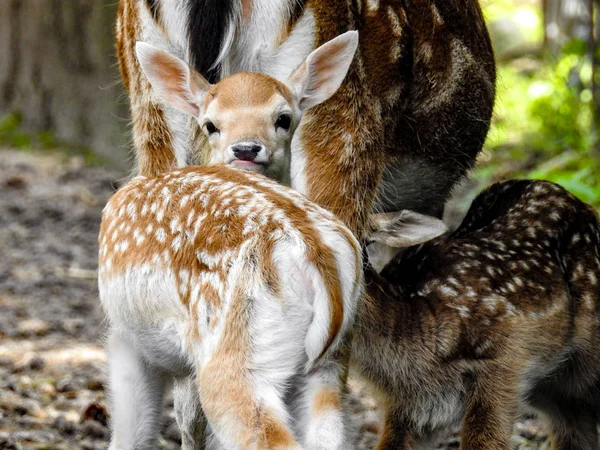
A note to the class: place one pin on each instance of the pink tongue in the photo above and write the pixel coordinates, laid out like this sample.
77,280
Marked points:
243,162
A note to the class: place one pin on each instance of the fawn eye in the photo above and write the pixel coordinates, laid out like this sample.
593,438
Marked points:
210,128
284,122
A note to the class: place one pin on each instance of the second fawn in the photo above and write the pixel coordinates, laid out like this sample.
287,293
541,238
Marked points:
503,312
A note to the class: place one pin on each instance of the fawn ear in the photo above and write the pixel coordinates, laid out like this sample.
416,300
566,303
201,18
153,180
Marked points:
405,228
173,81
322,73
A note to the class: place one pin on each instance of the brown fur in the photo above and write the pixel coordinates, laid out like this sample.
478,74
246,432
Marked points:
402,83
150,129
503,312
246,9
247,90
326,400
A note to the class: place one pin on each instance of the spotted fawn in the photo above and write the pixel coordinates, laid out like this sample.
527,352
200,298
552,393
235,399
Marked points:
502,313
228,280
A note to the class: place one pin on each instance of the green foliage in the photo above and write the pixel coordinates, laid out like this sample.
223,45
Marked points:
526,14
10,133
561,112
543,123
13,135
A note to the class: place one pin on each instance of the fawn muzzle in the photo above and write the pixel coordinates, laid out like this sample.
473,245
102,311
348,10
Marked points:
246,152
248,155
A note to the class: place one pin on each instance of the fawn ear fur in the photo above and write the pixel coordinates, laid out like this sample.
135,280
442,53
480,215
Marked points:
405,228
172,80
323,71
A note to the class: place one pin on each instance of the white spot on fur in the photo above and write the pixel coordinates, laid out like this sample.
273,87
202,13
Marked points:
463,311
176,244
394,21
439,20
447,291
372,5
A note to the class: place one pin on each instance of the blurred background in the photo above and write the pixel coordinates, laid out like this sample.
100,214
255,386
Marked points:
548,104
64,149
59,82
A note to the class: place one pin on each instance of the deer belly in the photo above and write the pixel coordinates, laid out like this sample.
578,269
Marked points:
439,408
144,305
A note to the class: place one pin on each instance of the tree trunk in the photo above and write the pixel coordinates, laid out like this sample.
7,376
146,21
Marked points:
594,54
565,20
58,70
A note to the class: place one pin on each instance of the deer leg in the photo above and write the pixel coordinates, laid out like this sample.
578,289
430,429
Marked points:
242,412
241,395
399,434
573,422
491,409
189,415
136,393
322,405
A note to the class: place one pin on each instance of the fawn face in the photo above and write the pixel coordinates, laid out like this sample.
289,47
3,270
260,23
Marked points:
250,118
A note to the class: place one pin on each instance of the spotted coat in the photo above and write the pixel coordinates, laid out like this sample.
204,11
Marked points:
503,312
229,276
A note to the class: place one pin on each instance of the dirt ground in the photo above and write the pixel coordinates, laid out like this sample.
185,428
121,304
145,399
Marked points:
52,362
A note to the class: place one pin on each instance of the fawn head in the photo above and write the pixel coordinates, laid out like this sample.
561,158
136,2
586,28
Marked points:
250,118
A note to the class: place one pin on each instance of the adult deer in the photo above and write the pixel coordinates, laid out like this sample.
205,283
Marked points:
406,124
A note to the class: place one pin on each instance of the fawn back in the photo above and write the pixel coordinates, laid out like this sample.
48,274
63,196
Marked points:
243,284
503,311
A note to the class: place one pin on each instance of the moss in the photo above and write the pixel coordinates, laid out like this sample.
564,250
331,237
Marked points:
13,135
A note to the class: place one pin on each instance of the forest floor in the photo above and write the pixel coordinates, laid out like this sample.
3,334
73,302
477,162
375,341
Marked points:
52,362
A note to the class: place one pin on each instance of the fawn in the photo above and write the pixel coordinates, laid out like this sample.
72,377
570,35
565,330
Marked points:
227,278
229,282
503,312
250,118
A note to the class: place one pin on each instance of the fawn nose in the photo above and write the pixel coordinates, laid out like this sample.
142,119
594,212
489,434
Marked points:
246,152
